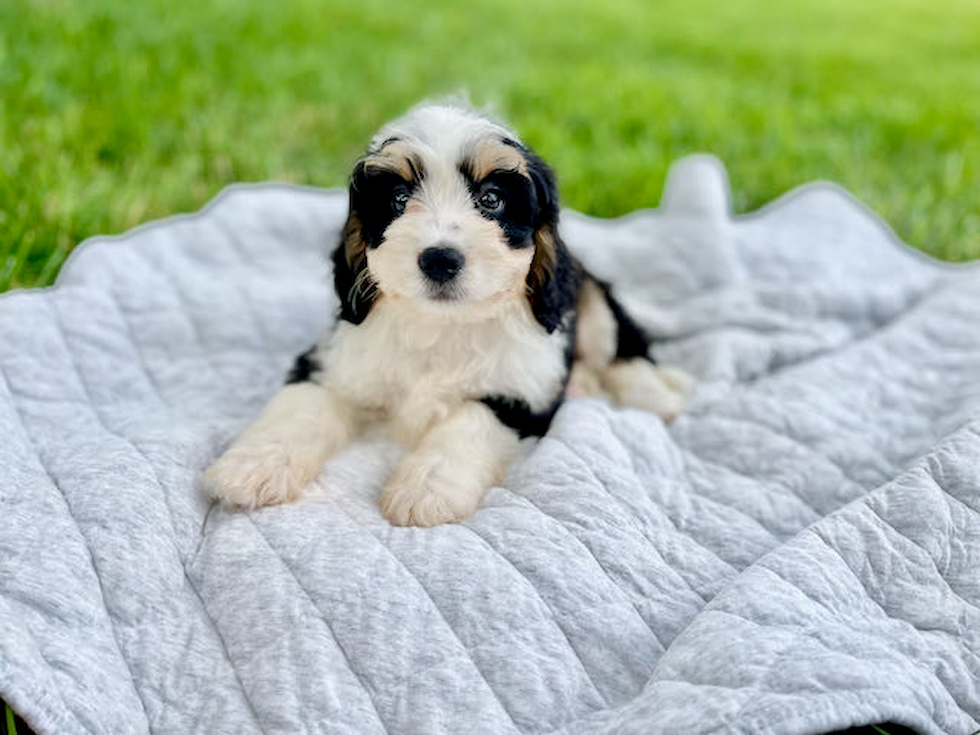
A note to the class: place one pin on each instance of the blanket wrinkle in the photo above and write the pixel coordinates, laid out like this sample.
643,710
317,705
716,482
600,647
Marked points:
631,521
326,622
571,524
884,614
163,495
435,606
95,571
544,602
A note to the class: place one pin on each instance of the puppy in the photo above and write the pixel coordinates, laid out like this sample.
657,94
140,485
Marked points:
464,321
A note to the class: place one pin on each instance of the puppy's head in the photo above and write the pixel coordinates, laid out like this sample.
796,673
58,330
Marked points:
450,215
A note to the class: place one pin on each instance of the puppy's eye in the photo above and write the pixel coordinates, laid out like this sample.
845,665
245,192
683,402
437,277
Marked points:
492,200
399,200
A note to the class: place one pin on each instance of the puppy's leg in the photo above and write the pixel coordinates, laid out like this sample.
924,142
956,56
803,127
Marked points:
456,462
284,450
639,383
612,350
595,341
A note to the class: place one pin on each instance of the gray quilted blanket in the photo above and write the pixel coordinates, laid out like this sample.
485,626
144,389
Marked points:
798,553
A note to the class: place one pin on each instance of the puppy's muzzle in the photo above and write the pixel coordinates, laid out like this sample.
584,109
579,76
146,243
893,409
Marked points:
441,264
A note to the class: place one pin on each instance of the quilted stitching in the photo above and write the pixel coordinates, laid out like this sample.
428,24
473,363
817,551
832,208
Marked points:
91,557
350,665
435,606
96,414
151,381
60,711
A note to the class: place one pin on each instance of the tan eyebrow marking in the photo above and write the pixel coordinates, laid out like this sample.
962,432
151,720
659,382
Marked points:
398,157
491,155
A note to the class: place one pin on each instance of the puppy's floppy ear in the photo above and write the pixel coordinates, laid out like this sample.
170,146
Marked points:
545,189
352,281
552,281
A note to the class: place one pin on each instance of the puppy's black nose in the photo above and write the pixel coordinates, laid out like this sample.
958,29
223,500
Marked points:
441,264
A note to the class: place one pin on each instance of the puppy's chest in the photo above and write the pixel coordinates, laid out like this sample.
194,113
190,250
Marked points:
396,366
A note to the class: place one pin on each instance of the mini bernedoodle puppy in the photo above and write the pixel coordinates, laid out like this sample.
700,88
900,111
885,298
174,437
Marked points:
464,322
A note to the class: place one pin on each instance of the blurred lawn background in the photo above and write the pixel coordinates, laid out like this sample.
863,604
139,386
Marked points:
114,112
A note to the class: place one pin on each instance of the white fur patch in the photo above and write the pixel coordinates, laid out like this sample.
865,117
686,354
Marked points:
414,369
443,215
455,463
450,132
283,451
597,332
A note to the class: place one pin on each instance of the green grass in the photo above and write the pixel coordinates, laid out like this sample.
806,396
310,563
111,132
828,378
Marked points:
9,721
113,112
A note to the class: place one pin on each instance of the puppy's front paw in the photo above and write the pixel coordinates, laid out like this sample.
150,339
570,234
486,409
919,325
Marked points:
426,490
252,475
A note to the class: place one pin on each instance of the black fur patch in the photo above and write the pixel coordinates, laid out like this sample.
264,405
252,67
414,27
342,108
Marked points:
631,340
304,367
352,308
372,209
545,188
530,205
372,195
557,296
519,212
517,415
